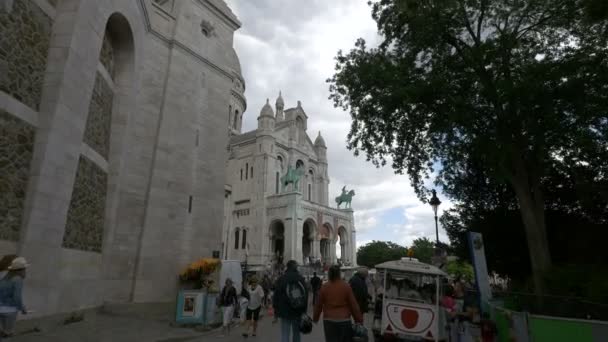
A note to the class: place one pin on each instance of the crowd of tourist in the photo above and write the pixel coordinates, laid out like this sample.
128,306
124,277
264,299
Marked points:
287,295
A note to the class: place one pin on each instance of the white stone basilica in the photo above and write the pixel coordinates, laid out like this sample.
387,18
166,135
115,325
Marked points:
265,221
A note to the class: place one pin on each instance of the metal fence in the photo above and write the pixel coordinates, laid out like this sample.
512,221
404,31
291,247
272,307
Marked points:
524,326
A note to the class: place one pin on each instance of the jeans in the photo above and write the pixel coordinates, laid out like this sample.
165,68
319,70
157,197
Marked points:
338,331
294,326
228,314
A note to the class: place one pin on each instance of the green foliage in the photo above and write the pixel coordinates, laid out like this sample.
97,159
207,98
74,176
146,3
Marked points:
460,269
423,249
377,252
498,94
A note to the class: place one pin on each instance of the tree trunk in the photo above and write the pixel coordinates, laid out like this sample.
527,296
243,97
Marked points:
532,211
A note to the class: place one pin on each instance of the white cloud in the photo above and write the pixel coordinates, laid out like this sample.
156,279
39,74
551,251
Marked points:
420,222
290,46
362,243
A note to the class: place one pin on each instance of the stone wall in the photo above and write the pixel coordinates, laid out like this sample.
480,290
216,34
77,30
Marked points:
24,44
97,129
86,214
84,226
16,148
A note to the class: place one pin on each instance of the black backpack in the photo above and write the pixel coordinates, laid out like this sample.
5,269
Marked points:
296,295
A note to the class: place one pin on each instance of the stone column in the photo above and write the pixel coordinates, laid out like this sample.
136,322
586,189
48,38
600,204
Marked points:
353,246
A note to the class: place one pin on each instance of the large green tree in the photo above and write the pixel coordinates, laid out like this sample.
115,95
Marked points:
423,249
377,252
510,87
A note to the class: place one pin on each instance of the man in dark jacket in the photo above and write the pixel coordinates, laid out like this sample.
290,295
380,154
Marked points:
359,285
283,305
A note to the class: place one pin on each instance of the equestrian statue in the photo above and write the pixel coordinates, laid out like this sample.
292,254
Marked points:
345,197
292,176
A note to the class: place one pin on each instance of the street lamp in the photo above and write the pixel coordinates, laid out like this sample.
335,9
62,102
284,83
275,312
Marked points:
435,202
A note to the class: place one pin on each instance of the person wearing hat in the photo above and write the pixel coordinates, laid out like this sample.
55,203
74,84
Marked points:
11,301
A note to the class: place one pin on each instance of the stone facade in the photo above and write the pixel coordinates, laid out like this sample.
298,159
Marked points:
16,147
25,32
266,222
115,113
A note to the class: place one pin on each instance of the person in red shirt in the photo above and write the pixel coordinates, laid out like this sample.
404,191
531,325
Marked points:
338,304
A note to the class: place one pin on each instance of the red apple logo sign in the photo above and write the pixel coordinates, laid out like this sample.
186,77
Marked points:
412,319
409,318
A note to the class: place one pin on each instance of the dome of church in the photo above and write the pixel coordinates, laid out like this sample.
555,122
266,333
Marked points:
267,110
233,61
280,103
320,142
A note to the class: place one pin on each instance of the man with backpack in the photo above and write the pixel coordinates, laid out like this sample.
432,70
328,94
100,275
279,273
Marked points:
290,301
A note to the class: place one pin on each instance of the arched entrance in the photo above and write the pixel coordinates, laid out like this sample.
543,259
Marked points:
277,241
308,234
325,243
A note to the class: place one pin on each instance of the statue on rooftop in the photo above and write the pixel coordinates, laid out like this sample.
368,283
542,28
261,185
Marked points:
345,197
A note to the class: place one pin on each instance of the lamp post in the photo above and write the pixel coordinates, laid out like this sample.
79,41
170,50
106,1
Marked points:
435,202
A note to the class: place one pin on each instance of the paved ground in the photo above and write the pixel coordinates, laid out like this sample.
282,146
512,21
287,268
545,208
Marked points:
141,323
267,332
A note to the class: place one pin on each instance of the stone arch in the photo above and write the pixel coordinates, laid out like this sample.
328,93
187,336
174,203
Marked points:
95,188
277,240
300,122
300,164
237,233
310,190
326,238
309,228
235,122
281,158
244,241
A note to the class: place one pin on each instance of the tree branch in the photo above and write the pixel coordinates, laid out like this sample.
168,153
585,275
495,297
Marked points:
484,5
522,32
465,17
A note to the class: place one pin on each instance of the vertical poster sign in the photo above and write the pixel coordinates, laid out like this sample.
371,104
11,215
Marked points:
478,256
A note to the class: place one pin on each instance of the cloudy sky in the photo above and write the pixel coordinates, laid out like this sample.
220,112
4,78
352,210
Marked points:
290,45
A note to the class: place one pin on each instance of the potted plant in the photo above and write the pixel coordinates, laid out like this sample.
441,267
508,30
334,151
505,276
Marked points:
200,275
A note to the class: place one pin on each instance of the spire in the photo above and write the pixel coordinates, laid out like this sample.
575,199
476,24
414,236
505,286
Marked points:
280,104
320,142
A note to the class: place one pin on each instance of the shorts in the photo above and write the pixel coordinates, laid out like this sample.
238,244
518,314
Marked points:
253,314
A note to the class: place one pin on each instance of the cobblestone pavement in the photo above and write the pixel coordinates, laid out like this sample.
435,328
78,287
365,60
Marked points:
267,332
144,328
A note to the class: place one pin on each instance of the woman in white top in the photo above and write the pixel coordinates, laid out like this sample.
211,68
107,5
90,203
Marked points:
256,295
